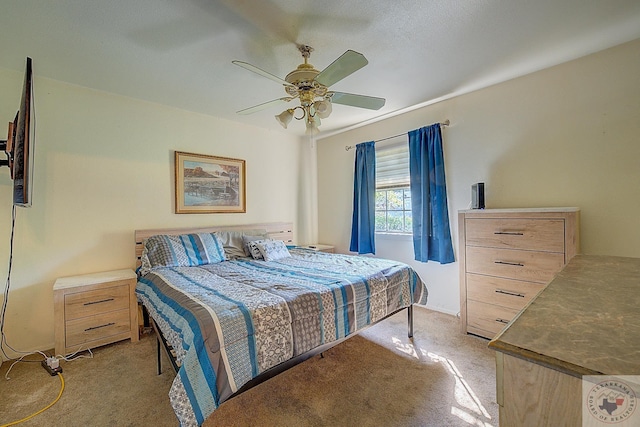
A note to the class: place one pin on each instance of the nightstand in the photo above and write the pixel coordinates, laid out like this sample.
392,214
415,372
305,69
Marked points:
319,247
95,309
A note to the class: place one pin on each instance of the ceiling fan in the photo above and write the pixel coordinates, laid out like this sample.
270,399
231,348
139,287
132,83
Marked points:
311,88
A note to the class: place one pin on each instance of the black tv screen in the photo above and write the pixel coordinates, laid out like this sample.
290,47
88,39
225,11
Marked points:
19,146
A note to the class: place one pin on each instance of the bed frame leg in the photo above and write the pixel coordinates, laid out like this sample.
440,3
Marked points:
159,355
410,315
163,345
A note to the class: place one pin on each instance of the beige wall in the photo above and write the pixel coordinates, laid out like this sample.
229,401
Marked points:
103,169
564,136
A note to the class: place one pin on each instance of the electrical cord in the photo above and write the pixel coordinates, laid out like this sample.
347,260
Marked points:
3,338
6,375
71,357
41,410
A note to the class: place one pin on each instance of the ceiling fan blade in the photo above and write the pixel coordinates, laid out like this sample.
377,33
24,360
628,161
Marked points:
263,73
267,17
361,101
264,105
347,64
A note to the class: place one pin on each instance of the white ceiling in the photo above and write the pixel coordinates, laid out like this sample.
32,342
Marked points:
179,52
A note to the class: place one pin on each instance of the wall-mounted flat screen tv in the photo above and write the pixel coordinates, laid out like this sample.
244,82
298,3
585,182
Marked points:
20,144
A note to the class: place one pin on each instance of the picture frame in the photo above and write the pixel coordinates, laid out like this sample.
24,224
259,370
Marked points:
209,184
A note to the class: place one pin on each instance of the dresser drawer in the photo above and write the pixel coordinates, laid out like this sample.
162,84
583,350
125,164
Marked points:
84,330
529,266
103,300
488,319
516,233
513,294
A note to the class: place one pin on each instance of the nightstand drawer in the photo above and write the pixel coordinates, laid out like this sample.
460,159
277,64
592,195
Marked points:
103,300
526,234
488,317
84,330
513,294
529,266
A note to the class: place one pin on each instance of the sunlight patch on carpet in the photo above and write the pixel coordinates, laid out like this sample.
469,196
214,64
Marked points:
471,409
464,395
468,418
406,348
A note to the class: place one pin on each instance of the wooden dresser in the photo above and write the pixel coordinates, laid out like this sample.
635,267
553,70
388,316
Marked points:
506,257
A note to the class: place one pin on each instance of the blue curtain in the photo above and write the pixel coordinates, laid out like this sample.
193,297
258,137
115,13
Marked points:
364,200
431,232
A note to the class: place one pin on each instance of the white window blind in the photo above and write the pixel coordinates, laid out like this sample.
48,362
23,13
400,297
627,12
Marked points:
392,166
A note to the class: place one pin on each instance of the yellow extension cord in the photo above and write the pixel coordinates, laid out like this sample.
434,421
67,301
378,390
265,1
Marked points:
43,409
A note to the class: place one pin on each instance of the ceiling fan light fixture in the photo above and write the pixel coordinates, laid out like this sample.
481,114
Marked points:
310,87
323,108
285,117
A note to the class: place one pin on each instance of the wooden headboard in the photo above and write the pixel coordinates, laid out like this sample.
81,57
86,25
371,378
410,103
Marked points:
276,230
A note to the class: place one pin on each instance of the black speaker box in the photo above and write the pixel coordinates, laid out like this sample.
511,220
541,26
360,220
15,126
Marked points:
477,196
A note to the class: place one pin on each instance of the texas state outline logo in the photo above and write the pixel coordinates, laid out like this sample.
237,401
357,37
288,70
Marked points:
611,401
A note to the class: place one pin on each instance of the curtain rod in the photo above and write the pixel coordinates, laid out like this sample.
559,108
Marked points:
350,147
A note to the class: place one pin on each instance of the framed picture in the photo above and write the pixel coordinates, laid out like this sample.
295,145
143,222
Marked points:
209,184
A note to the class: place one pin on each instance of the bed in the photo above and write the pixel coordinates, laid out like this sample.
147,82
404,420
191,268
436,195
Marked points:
237,305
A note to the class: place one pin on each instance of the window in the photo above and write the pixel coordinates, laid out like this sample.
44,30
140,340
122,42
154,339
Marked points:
393,210
393,196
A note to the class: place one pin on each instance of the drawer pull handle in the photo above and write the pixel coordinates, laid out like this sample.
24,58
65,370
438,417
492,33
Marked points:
513,294
98,302
502,321
98,327
516,264
510,233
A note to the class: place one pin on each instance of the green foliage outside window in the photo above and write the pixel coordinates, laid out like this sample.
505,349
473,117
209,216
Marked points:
393,210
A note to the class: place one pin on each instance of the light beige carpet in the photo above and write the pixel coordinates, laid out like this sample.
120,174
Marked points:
379,378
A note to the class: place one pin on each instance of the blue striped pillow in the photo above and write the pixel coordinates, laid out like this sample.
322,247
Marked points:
184,250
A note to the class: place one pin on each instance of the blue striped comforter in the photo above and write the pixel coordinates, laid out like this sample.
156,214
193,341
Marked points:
229,322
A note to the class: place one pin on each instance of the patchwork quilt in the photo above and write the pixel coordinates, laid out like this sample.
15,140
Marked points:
230,321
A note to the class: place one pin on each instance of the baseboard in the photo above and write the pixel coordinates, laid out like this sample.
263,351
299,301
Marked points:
439,309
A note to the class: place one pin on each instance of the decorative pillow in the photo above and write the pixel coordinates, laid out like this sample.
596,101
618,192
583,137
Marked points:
247,249
183,250
254,250
272,250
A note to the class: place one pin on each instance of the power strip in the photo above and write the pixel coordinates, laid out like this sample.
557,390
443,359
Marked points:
52,365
